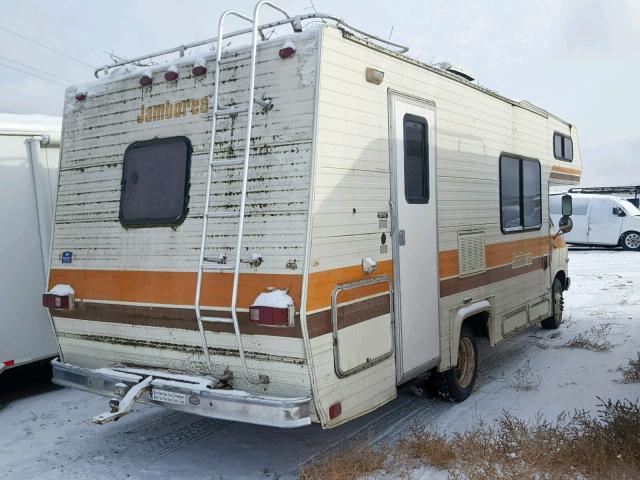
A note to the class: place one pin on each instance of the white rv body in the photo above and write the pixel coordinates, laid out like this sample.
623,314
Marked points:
601,220
382,281
29,154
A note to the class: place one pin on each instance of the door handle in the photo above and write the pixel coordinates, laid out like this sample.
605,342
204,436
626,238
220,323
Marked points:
401,238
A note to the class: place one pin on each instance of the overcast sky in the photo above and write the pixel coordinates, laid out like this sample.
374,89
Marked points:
577,59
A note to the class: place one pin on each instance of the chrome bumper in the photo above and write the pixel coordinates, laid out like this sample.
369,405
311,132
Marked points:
187,394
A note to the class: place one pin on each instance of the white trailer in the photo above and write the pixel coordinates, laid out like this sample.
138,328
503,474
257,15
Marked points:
29,154
285,232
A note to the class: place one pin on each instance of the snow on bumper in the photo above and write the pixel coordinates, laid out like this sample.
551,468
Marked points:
188,395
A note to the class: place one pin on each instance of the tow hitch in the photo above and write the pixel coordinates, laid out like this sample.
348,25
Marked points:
119,408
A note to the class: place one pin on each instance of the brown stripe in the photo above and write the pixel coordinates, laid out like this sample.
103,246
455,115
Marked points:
185,319
451,286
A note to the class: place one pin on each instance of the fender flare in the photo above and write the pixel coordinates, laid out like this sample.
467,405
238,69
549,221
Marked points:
483,306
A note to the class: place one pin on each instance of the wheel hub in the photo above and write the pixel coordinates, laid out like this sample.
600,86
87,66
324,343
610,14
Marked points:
632,240
466,363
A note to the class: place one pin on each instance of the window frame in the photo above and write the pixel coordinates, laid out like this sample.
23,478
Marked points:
564,137
520,159
155,222
425,157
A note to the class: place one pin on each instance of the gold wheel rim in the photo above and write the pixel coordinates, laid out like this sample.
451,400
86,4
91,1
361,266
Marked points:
466,362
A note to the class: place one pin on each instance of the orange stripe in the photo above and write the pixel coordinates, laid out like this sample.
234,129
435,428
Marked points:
321,284
173,288
569,170
496,255
178,288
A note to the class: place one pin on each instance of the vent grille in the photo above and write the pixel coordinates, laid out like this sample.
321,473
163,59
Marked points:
471,259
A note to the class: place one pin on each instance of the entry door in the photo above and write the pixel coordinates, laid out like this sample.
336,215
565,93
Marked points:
413,167
604,225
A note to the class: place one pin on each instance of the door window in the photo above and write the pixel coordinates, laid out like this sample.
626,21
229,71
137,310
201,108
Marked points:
416,159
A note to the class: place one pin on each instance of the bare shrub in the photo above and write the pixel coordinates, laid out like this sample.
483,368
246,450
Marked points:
429,447
605,446
631,371
357,463
525,378
595,339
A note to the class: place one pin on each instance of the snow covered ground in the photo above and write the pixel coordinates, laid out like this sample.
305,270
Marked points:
49,435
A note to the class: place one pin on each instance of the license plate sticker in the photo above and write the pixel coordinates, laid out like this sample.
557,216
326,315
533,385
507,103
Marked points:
168,397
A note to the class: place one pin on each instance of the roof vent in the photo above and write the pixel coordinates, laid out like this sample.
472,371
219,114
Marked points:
456,70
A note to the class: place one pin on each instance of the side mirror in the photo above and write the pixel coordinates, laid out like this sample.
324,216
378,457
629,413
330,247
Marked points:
567,206
565,225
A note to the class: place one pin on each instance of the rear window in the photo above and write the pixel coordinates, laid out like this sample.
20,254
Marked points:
155,182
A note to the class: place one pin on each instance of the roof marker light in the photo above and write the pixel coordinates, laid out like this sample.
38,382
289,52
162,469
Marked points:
146,80
198,70
81,96
171,74
288,50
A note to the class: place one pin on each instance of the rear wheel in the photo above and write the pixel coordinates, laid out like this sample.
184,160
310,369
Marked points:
459,381
631,241
557,298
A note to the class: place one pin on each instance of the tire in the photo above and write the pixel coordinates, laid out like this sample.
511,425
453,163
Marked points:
557,304
459,381
630,241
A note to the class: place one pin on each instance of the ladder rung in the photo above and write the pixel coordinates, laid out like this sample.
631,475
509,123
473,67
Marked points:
227,163
217,319
231,110
237,58
223,214
217,266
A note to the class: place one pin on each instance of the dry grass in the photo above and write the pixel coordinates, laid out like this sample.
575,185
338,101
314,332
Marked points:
631,371
358,463
604,446
595,339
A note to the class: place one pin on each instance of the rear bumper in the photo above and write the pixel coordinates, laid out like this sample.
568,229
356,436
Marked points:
187,394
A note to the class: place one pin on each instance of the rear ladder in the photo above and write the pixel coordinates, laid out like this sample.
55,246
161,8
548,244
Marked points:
219,263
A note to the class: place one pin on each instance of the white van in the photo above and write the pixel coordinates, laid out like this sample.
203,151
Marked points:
600,220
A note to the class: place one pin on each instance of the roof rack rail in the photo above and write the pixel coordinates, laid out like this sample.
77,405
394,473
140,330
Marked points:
629,190
296,23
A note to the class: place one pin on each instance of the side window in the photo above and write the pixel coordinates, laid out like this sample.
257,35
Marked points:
562,147
155,182
416,160
520,194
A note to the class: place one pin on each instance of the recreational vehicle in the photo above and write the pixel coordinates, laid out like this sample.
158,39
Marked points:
29,150
600,220
285,232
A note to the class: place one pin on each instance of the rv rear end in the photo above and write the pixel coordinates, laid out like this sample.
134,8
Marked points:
129,226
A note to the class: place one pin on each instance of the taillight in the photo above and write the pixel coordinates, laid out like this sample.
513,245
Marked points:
59,302
81,96
278,317
146,80
335,410
274,308
60,297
